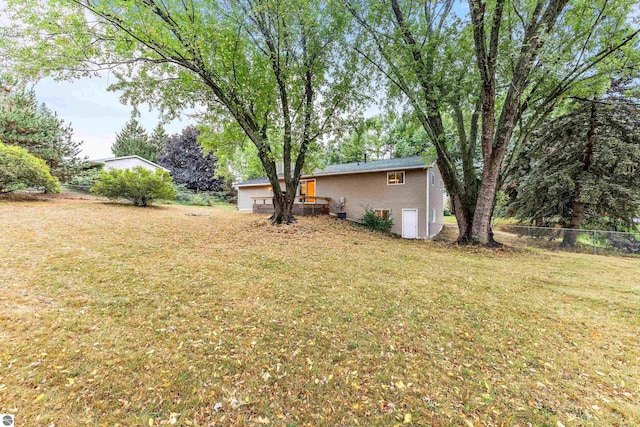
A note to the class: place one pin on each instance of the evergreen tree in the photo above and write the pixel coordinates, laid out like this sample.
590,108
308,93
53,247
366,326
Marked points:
61,153
158,140
134,141
582,167
25,123
183,156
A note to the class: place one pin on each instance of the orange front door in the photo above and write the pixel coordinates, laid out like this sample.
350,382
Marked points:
311,191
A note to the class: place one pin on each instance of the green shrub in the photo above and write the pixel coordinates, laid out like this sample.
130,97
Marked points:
20,170
139,185
86,177
373,222
225,196
189,197
202,198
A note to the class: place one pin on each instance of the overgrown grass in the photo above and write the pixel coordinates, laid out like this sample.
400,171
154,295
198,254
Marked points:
115,315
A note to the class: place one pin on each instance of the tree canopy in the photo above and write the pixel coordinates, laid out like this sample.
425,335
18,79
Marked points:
133,140
481,76
581,167
382,136
183,156
276,73
26,123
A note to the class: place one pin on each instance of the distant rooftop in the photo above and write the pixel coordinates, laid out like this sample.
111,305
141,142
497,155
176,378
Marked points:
111,159
415,162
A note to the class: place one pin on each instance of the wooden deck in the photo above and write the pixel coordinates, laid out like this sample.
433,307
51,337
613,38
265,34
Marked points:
303,206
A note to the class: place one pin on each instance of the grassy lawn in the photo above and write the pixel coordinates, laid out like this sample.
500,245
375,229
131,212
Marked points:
113,315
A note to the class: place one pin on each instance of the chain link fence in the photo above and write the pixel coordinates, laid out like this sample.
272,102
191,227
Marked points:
597,242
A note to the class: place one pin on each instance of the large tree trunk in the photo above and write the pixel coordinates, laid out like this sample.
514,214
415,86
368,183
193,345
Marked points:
569,238
481,227
464,218
282,209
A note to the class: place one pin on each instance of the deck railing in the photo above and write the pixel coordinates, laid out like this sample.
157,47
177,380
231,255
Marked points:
316,200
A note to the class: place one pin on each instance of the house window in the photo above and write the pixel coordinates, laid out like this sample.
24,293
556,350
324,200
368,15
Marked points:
395,178
433,215
433,179
382,213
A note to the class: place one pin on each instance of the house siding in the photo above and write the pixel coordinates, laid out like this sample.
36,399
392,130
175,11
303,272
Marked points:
127,164
364,190
246,193
370,189
436,201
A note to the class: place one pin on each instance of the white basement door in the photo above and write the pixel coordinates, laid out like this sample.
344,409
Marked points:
410,223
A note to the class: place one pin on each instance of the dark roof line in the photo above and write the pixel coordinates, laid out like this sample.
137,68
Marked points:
414,162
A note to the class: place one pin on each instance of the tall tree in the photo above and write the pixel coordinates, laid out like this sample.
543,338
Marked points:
582,166
379,137
158,139
481,83
274,72
26,123
133,140
183,156
362,142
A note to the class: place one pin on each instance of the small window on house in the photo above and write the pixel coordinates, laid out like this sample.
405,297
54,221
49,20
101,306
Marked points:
395,178
382,213
433,215
433,178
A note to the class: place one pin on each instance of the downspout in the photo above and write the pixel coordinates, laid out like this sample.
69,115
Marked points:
428,203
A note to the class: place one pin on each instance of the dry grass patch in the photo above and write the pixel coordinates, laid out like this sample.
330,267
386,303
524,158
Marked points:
114,315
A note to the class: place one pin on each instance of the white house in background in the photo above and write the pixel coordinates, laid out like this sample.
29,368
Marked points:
128,162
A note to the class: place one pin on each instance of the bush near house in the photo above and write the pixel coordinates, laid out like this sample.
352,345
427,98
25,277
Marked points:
139,185
20,170
373,222
86,177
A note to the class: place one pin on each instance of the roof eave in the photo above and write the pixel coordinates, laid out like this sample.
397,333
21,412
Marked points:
306,176
367,171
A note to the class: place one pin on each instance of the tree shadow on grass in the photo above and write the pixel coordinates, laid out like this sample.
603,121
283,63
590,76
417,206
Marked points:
25,196
126,204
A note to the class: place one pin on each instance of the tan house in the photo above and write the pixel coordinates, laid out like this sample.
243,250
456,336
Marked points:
406,190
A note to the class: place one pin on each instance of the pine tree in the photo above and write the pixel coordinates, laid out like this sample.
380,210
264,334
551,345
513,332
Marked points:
158,140
134,141
581,168
62,153
25,123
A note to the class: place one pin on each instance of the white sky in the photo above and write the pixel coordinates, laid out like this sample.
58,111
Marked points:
96,114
